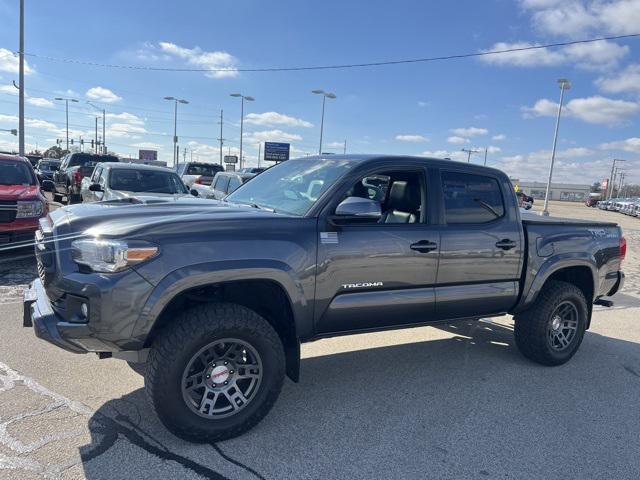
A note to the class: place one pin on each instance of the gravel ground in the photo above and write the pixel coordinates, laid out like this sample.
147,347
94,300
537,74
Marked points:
456,401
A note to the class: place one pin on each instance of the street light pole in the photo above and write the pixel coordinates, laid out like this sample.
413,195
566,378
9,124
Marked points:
242,99
564,84
325,95
610,184
66,103
176,153
469,151
21,82
221,140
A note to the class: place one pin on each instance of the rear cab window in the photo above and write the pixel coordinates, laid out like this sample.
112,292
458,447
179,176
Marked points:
471,198
89,160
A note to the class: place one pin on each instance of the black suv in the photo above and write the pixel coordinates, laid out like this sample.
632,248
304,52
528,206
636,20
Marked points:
73,168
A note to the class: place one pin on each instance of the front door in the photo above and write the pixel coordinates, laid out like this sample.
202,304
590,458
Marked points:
382,273
481,246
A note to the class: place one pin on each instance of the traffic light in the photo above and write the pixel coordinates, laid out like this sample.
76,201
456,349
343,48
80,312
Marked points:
82,141
72,141
92,144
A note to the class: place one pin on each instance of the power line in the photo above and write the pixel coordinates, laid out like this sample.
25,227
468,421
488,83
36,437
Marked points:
338,66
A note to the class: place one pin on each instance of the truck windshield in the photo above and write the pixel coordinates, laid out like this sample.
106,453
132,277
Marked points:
206,170
15,173
293,186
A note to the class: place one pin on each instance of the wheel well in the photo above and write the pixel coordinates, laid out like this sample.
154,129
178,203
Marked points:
267,298
582,278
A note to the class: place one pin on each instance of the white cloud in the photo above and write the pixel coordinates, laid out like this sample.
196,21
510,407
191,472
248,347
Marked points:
453,155
423,104
275,118
499,137
271,136
101,94
492,149
124,130
9,63
469,132
569,18
222,62
628,145
9,89
148,145
412,138
596,109
597,55
125,117
39,102
457,140
628,80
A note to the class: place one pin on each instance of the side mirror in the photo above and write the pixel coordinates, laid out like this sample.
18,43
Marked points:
95,187
194,192
47,186
357,208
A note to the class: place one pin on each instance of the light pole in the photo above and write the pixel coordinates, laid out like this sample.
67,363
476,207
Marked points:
612,177
104,135
66,103
242,99
564,84
325,95
12,131
21,82
176,154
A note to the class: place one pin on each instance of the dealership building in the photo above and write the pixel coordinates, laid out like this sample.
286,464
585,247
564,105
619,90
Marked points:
569,192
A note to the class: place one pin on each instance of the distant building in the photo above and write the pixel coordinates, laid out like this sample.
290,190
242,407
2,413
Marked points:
569,192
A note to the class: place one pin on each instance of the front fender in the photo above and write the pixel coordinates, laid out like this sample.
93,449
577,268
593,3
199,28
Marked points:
538,275
208,273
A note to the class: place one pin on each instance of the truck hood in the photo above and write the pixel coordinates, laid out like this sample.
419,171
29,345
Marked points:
18,192
155,215
146,197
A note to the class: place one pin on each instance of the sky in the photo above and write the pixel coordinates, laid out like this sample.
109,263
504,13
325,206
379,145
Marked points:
505,103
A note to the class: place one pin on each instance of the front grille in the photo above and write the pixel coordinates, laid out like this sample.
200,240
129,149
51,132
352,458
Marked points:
8,211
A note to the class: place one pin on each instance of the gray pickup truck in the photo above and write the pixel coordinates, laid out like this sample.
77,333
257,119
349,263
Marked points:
210,300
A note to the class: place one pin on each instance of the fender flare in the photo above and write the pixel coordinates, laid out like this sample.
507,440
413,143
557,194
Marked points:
552,265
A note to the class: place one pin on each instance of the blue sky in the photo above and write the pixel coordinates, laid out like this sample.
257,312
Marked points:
506,103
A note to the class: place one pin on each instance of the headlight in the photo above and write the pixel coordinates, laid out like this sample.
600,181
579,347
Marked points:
106,256
30,209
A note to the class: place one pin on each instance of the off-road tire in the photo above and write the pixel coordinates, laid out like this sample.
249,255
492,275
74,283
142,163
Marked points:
175,346
138,367
532,326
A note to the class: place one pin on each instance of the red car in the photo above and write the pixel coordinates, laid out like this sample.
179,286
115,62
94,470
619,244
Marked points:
21,200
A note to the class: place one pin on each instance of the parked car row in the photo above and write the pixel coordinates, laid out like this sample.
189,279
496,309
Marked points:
628,206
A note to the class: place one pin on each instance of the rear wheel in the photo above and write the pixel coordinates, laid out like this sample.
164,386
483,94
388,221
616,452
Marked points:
215,373
551,331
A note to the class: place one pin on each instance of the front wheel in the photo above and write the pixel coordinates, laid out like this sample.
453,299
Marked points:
551,331
215,372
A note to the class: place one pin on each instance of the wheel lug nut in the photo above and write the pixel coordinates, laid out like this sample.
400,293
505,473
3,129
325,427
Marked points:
226,363
226,383
208,376
231,371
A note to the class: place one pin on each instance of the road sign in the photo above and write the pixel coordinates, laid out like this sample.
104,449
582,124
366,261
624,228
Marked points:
230,159
276,152
148,155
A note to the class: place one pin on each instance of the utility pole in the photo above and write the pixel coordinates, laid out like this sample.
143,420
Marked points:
221,140
469,152
104,135
344,150
184,155
21,82
96,144
66,103
486,149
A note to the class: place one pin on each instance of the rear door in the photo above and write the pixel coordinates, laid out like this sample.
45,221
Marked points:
481,249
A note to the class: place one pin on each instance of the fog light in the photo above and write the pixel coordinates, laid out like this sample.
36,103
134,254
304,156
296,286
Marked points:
85,310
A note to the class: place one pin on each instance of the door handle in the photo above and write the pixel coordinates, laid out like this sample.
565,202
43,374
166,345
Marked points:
424,246
506,244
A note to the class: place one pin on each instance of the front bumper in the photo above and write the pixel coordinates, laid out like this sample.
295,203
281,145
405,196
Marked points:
45,322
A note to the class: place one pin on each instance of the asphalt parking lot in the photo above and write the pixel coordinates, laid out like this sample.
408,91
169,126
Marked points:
457,401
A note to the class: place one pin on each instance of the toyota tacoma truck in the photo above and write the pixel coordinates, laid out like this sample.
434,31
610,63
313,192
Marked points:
211,300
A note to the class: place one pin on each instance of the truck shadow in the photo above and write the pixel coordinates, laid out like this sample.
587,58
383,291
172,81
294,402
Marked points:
463,406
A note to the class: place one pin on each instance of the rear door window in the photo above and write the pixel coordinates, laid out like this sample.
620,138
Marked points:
470,198
221,183
234,183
